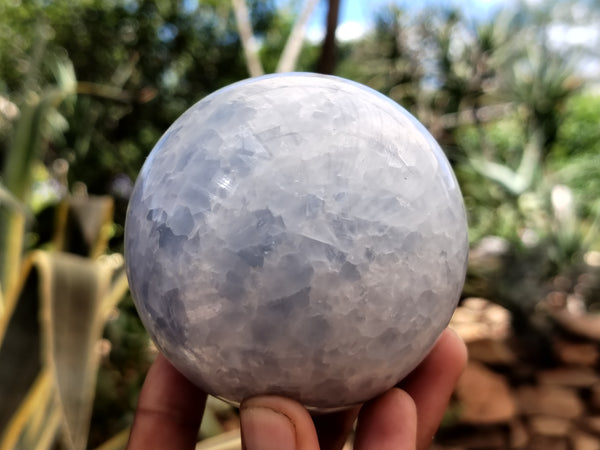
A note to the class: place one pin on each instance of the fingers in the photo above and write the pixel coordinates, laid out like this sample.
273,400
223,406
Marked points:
407,418
169,411
431,384
388,422
276,423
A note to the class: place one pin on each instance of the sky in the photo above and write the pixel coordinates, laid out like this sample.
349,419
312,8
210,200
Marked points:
357,15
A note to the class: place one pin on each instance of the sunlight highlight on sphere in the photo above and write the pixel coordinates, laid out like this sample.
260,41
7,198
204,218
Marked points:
299,235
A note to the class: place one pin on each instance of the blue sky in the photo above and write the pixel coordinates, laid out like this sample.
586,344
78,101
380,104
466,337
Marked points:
357,15
357,10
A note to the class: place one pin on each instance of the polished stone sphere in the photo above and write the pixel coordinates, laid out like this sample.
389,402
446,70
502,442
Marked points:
299,235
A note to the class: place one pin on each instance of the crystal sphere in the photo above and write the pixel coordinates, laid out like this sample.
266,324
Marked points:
299,235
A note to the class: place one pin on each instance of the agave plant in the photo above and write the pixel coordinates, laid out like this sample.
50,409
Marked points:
53,304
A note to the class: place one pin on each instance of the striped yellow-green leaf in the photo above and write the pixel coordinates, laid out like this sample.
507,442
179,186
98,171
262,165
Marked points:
73,296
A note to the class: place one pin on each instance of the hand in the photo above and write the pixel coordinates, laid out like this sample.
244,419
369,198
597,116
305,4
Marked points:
406,417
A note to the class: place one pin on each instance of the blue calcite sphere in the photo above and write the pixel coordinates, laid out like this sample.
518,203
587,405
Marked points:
299,235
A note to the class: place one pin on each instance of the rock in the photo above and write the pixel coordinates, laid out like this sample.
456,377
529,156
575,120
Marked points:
478,438
484,396
469,331
476,304
549,426
583,441
466,323
549,401
594,400
489,440
548,443
519,435
576,353
580,324
491,351
479,318
592,424
576,377
488,256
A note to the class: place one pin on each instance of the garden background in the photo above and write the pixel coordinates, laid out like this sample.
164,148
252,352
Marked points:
513,97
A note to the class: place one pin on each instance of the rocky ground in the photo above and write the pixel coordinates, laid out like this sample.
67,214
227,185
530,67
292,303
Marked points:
519,393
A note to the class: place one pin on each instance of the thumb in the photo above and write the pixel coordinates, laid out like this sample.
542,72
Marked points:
276,423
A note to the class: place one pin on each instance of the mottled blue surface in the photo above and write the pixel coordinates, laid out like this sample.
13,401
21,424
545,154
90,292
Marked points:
298,235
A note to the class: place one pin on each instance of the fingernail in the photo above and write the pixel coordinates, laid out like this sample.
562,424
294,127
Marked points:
267,429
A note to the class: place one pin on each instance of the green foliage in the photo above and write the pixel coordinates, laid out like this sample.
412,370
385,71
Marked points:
572,160
274,39
93,84
575,161
579,132
154,60
504,103
575,158
121,373
388,59
159,58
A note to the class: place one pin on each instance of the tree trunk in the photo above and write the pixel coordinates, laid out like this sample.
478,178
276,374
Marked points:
293,46
242,20
327,60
